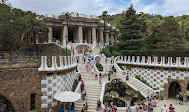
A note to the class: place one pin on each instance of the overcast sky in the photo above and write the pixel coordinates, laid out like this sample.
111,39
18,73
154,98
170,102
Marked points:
96,7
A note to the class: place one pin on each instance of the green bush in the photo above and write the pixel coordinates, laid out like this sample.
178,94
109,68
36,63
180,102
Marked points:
75,85
159,53
139,95
120,66
107,51
99,67
48,64
144,81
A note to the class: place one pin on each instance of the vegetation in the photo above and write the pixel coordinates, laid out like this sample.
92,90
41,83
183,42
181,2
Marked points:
75,85
144,81
19,29
123,91
99,67
121,66
152,34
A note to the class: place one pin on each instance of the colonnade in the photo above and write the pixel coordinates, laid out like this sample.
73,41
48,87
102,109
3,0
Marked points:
93,34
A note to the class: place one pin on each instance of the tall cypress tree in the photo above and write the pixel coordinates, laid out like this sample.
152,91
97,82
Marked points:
131,31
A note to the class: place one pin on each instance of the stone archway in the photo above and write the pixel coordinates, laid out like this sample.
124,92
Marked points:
174,89
5,105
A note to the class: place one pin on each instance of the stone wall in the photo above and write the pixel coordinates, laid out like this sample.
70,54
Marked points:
17,86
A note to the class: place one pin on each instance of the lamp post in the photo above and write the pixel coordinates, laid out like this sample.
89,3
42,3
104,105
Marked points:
66,43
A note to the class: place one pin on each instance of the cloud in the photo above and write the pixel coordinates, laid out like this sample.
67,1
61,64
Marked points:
91,7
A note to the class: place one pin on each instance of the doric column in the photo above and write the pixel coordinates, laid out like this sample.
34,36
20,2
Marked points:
112,38
94,35
101,35
50,34
65,32
107,38
80,34
89,35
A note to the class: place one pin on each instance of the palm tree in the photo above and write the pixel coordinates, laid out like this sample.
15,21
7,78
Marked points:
67,16
104,15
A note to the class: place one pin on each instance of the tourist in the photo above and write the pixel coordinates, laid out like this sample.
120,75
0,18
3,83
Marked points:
181,95
72,106
127,77
177,99
114,108
68,106
98,105
83,94
115,71
164,108
113,68
128,106
170,108
153,102
86,107
82,86
111,60
83,109
109,77
106,60
62,108
109,108
100,78
79,77
96,76
92,70
140,109
112,72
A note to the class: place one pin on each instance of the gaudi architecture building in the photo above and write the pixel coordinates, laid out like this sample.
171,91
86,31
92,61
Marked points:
80,29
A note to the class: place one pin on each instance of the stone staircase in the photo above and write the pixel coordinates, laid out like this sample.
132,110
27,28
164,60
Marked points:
93,89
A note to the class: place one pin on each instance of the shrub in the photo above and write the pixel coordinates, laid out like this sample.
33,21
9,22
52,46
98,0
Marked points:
144,81
120,66
75,85
99,67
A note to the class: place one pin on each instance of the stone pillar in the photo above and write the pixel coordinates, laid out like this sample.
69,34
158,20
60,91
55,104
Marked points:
50,34
80,34
89,35
74,35
112,38
101,35
116,38
94,35
107,38
65,32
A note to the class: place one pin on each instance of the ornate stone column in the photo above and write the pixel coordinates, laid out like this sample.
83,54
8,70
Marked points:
80,33
107,37
101,35
65,32
94,35
112,38
50,34
89,35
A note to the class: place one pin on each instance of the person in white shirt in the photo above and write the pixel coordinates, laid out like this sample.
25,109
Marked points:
164,108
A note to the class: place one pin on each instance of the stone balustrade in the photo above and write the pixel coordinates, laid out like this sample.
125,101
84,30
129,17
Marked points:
155,61
66,62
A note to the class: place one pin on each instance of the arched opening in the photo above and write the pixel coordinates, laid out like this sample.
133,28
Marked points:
174,89
5,105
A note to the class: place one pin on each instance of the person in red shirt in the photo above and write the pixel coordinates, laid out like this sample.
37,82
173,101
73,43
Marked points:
170,108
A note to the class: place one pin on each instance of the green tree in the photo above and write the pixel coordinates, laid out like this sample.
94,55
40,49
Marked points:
131,34
168,35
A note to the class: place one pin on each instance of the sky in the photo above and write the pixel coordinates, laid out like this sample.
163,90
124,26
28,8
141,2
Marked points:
96,7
